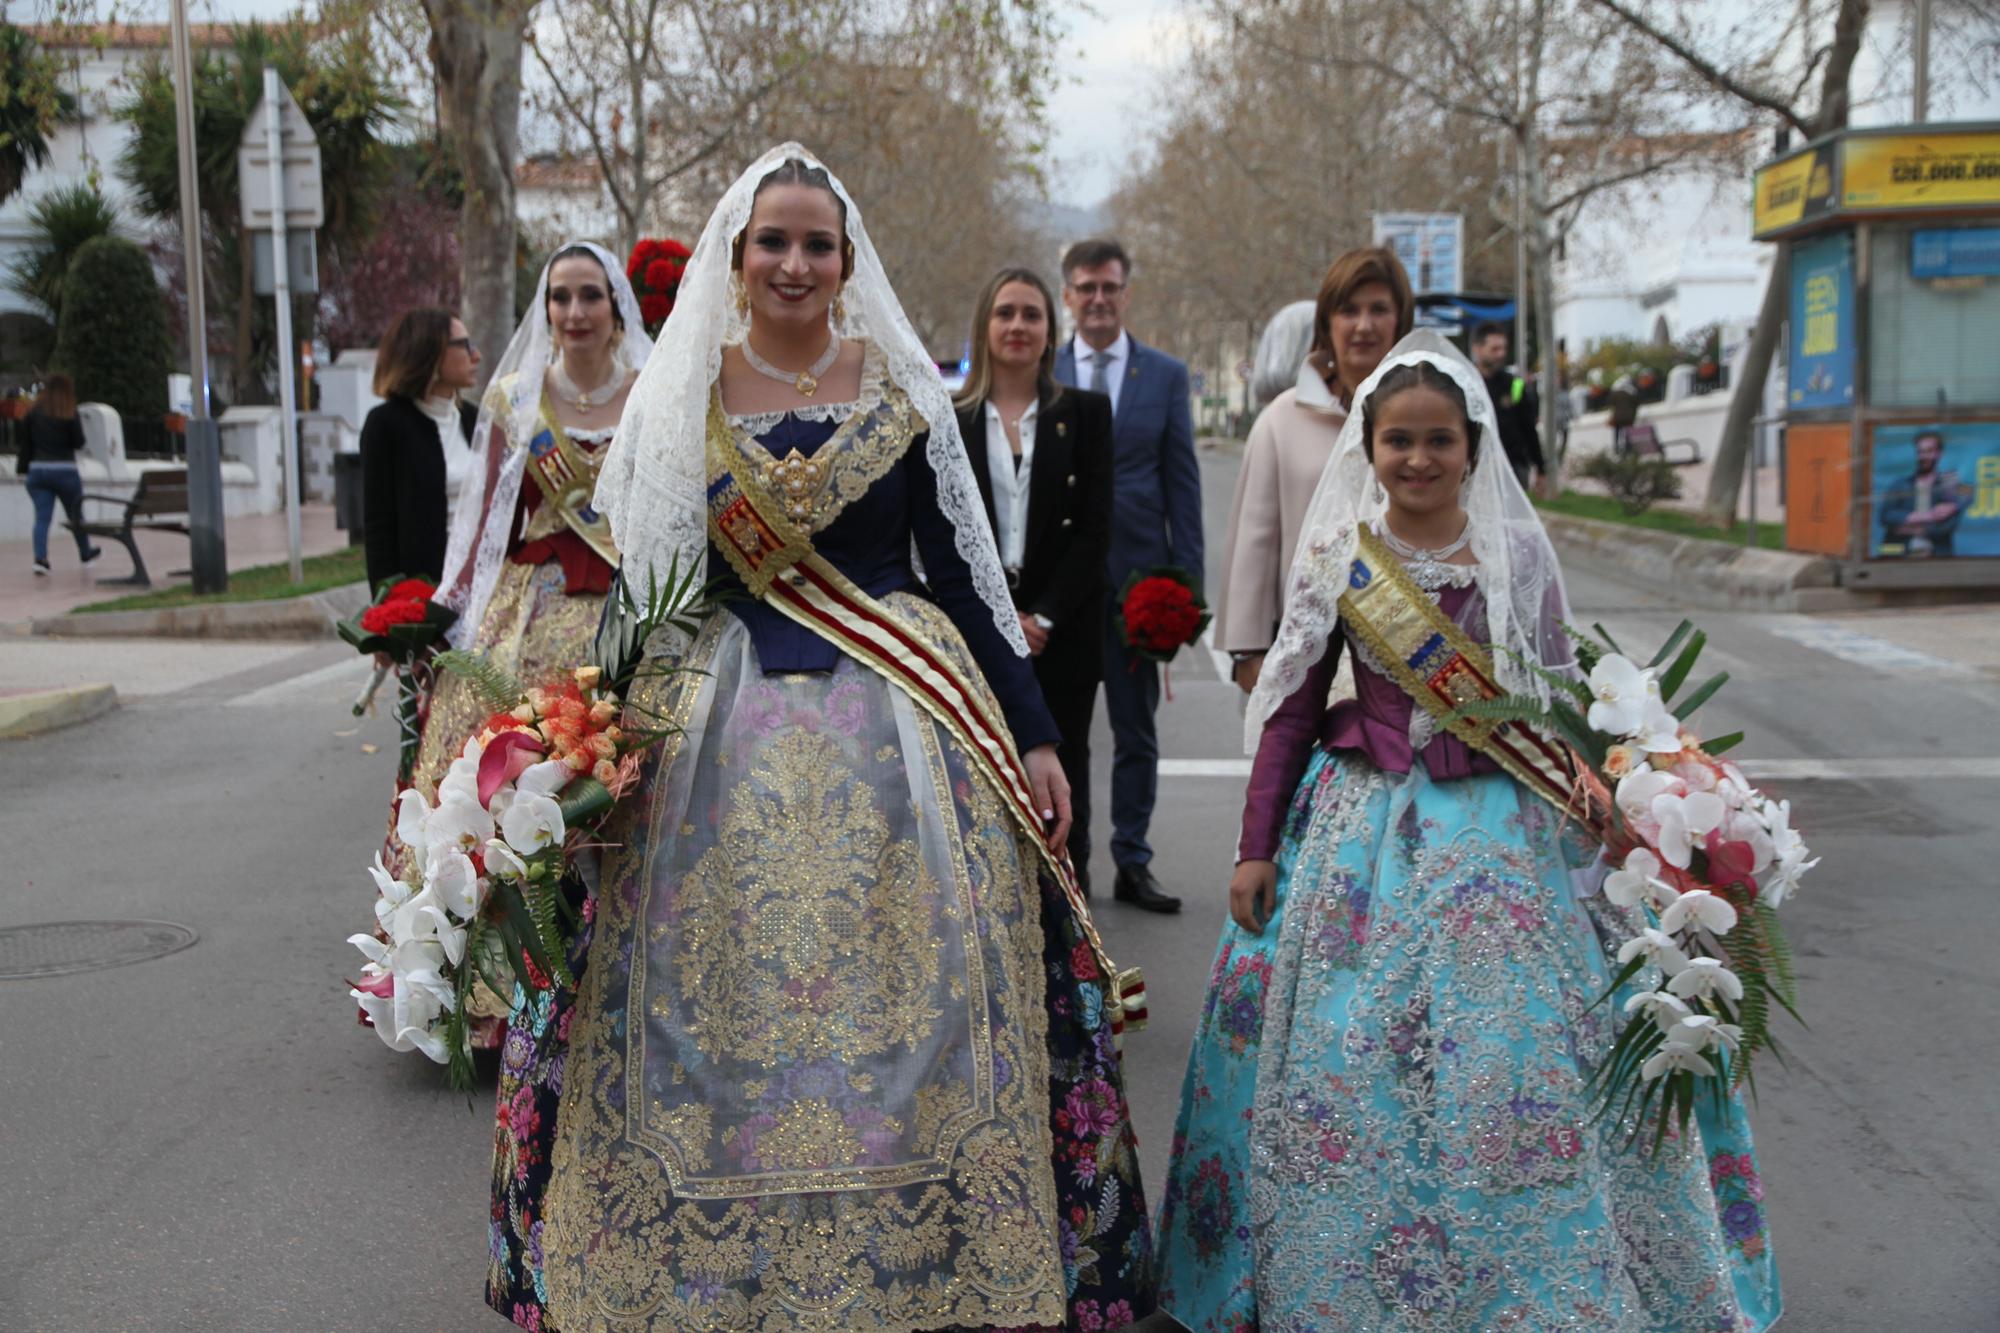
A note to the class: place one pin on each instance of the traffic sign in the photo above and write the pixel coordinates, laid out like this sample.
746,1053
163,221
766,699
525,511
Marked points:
305,204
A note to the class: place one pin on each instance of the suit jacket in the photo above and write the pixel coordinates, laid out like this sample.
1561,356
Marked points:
1069,516
1156,483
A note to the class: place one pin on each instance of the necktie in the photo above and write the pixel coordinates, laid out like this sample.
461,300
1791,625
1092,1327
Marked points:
1098,361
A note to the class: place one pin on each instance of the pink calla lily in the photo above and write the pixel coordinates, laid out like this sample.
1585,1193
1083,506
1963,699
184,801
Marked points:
507,756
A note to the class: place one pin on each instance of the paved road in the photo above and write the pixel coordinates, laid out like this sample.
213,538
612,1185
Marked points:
205,1141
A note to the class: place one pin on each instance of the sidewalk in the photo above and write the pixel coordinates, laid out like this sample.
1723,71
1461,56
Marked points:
255,539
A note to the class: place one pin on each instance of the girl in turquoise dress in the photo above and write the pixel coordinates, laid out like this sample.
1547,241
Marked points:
1385,1122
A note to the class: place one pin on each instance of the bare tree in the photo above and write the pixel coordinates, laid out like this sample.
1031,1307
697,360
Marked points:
475,48
1761,81
666,95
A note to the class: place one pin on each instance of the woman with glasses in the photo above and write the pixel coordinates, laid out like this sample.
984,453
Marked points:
416,445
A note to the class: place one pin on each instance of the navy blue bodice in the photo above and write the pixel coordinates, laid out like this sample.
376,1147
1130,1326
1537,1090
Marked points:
869,543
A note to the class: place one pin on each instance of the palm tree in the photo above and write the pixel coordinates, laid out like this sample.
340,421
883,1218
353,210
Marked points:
60,223
32,102
346,97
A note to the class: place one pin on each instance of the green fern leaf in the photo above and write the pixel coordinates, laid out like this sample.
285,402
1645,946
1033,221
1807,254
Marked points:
496,685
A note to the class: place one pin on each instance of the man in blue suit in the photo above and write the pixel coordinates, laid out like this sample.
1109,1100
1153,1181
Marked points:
1155,520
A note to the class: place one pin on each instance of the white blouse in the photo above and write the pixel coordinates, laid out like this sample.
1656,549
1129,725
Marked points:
1010,484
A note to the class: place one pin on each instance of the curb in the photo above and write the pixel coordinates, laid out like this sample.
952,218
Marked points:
1719,575
310,617
38,711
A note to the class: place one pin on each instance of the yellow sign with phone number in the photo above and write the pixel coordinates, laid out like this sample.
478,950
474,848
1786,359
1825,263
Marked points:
1920,170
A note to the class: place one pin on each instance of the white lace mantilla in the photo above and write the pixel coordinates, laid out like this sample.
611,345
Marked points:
757,423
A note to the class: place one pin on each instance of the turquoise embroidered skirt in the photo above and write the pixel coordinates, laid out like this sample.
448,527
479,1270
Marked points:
1385,1123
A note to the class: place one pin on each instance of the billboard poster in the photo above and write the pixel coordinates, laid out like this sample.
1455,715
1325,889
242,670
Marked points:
1955,252
1818,494
1936,491
1820,367
1431,246
1794,191
1920,168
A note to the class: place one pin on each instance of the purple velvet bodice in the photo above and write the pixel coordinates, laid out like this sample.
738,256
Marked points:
1375,723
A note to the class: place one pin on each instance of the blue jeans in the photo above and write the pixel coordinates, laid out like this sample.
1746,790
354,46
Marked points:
48,483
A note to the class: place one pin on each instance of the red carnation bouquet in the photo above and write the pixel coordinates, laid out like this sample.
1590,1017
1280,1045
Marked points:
1159,612
655,269
404,623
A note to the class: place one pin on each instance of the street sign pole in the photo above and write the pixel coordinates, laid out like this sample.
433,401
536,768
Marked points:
208,552
274,96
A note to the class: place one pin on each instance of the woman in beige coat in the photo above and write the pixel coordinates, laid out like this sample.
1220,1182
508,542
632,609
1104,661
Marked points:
1364,307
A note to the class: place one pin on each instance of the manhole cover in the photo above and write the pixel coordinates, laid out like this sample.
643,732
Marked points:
56,947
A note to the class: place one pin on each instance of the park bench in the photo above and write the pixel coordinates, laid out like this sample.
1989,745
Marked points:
161,496
1645,442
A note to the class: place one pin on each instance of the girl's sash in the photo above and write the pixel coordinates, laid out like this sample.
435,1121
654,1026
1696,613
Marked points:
1440,668
566,476
776,561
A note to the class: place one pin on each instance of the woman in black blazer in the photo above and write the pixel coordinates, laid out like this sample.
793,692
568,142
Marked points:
415,443
1042,455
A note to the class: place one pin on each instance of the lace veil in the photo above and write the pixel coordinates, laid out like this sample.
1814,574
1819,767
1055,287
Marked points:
653,485
1518,576
482,521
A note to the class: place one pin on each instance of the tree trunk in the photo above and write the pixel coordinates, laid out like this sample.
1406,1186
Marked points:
1746,398
476,49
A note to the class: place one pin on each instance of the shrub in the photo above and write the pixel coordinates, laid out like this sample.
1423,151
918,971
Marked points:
60,223
1635,483
112,337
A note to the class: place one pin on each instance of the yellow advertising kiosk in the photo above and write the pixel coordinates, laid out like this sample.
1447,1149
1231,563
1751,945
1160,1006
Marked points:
1892,395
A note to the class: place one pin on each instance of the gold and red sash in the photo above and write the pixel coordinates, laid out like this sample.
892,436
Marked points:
1442,670
776,561
566,476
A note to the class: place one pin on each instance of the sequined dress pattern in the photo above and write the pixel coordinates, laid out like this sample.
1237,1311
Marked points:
1384,1122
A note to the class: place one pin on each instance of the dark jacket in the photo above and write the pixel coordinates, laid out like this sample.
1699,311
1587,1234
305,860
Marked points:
46,439
405,514
1514,403
1069,516
1156,480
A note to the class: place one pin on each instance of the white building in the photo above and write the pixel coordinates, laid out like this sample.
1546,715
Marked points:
1659,259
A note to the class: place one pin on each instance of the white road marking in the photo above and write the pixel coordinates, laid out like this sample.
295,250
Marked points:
322,681
1757,770
1861,649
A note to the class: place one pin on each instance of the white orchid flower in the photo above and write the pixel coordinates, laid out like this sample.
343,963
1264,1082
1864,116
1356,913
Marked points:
471,751
1684,821
459,823
1659,948
532,823
1701,908
1672,1057
1702,1031
1745,827
451,879
1784,877
1627,887
412,813
407,1018
460,782
1619,691
1663,1009
1658,732
391,892
544,779
1705,979
501,863
1638,789
424,920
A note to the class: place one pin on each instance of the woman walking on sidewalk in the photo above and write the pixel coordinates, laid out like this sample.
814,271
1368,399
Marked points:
1385,1123
51,438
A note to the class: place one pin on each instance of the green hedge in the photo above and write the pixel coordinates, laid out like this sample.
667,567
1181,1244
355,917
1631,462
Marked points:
112,335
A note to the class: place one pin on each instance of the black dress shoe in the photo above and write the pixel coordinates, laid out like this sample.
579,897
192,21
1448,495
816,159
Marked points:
1137,886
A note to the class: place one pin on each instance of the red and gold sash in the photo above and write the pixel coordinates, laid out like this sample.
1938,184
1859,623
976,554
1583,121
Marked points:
566,476
776,561
1442,670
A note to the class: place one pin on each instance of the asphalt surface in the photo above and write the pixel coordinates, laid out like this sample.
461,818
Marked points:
207,1141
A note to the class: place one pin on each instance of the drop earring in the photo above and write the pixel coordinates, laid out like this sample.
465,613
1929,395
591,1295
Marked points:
838,312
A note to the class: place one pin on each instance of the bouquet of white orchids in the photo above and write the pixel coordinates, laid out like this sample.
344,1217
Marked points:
1701,852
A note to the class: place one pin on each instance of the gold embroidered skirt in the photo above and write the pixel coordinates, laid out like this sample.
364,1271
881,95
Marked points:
808,1080
533,629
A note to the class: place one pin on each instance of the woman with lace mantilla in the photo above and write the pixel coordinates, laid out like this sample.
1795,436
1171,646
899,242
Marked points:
842,1057
1401,1010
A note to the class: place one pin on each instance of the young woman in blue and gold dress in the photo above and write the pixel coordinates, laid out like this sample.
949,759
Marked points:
842,1054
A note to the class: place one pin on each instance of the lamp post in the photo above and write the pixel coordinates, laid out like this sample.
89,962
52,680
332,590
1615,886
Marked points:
208,553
